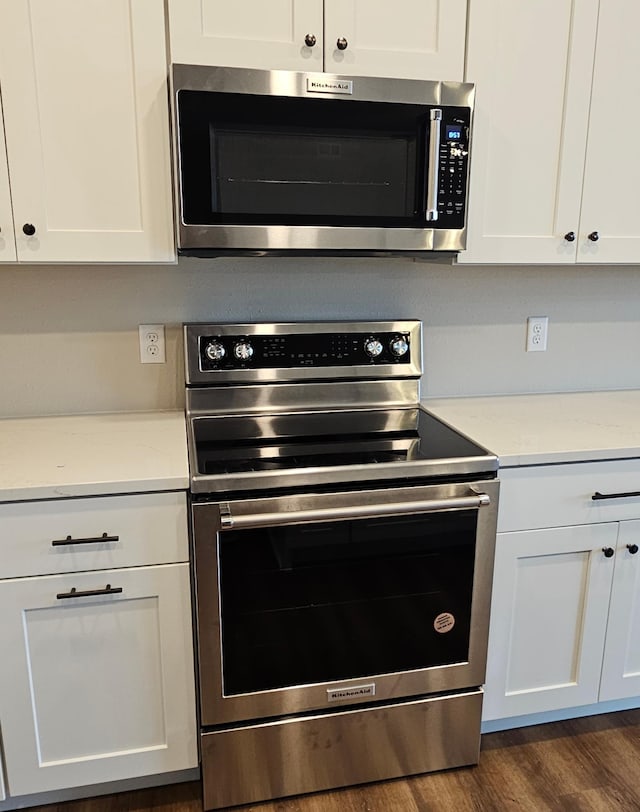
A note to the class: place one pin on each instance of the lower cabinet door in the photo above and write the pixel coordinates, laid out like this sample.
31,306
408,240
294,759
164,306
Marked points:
548,619
621,666
96,687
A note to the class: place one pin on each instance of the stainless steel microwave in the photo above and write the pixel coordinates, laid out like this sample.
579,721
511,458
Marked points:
314,163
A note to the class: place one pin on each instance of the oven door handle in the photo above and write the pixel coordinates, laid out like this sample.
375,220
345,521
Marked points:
328,514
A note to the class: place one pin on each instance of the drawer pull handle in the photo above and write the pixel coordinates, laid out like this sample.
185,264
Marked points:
87,593
597,495
95,540
633,548
608,552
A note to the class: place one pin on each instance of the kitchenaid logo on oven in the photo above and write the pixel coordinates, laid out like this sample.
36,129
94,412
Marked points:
355,692
329,86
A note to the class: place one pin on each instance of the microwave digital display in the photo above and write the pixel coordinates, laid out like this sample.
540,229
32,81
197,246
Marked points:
453,132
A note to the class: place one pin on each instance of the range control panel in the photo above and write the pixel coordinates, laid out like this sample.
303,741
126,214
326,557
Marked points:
291,351
453,168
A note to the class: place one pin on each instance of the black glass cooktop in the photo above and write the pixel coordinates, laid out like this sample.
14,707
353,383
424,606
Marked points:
243,444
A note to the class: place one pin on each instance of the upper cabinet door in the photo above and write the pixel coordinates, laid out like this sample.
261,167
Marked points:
414,39
86,119
7,242
611,200
532,64
279,35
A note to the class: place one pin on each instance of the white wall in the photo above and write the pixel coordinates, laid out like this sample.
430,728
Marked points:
69,341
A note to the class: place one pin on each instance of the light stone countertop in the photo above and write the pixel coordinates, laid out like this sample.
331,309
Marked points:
92,455
548,428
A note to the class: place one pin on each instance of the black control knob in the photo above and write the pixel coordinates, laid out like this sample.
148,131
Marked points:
342,44
373,347
243,350
29,229
633,548
310,40
608,552
215,351
594,236
570,236
399,346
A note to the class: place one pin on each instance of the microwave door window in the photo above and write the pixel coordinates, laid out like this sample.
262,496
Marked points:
309,173
292,161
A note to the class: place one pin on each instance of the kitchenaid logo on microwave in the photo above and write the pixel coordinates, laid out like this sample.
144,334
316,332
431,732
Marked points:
354,692
329,86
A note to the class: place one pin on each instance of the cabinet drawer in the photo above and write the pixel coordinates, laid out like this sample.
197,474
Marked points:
138,530
557,495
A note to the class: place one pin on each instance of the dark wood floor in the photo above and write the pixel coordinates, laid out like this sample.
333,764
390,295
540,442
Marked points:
582,765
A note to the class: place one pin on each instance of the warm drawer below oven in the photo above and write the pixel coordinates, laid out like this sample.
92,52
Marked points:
307,754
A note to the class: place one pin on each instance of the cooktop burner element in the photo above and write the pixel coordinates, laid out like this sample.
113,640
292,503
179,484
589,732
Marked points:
301,405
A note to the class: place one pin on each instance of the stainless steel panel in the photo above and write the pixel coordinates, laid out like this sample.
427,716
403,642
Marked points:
363,240
292,756
336,474
291,83
195,375
258,399
218,708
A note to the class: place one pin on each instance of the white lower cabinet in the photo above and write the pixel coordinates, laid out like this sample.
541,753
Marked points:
97,678
565,612
621,664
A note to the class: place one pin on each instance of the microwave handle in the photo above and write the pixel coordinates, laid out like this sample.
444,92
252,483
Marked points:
433,176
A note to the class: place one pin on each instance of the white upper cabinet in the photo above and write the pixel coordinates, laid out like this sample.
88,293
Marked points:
7,241
417,39
532,66
86,122
611,196
414,39
247,34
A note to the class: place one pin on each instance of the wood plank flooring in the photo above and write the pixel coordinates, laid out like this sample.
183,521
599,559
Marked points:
581,765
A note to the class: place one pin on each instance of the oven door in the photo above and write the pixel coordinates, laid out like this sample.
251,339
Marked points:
315,601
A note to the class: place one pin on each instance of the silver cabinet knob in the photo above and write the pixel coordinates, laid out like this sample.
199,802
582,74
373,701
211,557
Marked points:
310,40
342,44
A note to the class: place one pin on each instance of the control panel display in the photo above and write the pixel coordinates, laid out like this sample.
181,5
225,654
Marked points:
303,350
453,169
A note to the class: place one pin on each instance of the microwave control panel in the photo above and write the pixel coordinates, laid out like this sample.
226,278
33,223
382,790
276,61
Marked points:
453,168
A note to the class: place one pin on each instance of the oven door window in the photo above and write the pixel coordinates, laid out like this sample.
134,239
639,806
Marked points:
294,161
315,603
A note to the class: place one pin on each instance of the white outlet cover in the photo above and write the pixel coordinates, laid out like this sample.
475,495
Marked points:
537,330
152,346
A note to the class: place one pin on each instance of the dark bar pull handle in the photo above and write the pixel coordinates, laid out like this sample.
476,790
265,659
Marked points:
95,540
597,495
87,593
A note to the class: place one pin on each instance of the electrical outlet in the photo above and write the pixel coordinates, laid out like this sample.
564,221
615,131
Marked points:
151,343
537,329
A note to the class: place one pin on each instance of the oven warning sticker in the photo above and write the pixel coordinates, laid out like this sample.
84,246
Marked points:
444,622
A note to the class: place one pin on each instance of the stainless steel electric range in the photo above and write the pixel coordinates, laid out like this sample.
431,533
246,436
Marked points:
343,543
